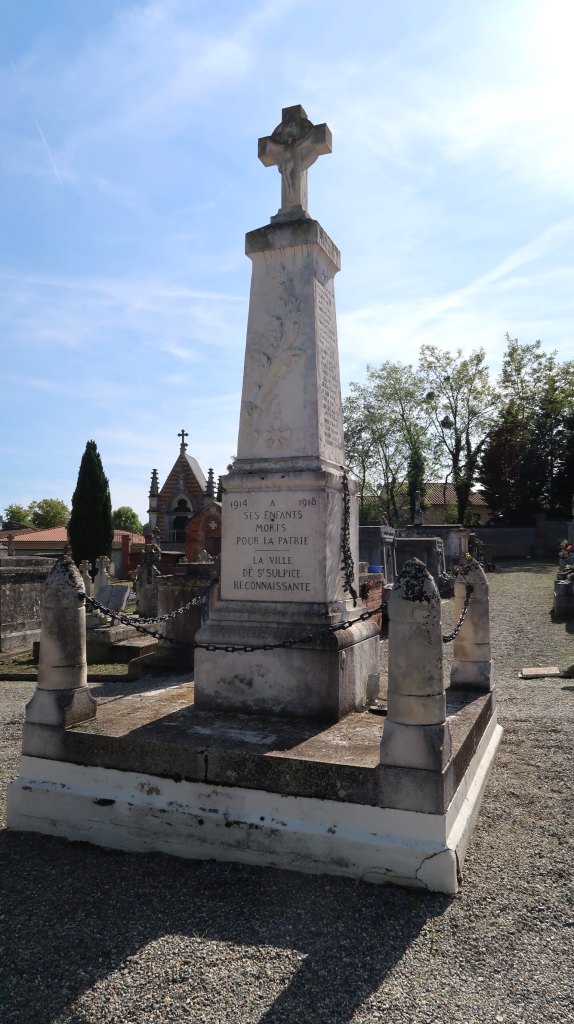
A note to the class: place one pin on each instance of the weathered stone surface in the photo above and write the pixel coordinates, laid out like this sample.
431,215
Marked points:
284,502
293,147
22,581
165,733
415,636
427,747
472,653
428,550
62,696
416,709
474,674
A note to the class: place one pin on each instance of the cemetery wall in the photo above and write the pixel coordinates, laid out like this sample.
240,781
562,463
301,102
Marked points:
21,586
523,541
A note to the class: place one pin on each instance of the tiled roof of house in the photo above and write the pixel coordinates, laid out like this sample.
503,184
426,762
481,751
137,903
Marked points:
59,535
445,494
20,529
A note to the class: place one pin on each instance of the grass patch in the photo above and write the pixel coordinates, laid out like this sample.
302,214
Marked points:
21,667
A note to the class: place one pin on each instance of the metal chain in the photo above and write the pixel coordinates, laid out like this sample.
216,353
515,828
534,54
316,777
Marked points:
231,648
451,636
347,555
128,620
321,634
172,615
249,648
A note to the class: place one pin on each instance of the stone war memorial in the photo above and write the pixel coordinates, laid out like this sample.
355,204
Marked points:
271,756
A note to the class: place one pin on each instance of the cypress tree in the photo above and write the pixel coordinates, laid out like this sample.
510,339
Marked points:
91,529
415,474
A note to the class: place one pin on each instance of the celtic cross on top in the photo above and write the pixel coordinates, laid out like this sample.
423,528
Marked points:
292,148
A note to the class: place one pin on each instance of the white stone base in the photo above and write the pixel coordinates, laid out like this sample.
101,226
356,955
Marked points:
144,813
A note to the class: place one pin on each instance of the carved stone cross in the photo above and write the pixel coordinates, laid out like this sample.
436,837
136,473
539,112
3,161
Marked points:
292,148
183,434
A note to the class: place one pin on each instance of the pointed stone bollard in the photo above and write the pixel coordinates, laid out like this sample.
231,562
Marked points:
416,734
472,664
62,697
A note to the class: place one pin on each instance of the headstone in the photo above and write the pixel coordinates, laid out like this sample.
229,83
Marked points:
117,597
286,513
102,578
147,582
85,568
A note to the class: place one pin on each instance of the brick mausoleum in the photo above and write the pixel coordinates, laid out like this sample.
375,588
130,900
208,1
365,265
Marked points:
184,511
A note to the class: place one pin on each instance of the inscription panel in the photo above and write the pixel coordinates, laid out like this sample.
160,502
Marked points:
329,397
270,547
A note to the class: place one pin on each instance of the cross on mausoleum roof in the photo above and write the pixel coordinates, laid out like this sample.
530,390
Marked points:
292,148
183,434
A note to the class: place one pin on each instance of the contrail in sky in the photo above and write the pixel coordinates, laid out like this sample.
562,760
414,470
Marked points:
19,86
45,141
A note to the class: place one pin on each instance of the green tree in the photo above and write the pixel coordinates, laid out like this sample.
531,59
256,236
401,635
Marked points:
462,403
17,514
416,475
124,518
49,512
528,462
386,425
91,529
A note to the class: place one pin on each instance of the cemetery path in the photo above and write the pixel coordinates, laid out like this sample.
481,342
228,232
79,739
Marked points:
92,936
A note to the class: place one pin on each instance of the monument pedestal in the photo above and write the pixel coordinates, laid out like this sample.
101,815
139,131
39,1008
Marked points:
281,557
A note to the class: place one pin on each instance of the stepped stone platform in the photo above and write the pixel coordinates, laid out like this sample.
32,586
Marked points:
116,643
153,773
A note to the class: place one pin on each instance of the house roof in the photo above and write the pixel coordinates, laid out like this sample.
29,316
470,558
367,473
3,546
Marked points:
59,535
445,494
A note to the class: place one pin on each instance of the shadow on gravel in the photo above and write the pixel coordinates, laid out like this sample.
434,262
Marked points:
72,914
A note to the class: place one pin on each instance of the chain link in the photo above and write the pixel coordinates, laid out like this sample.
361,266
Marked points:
451,636
231,648
138,624
347,556
128,620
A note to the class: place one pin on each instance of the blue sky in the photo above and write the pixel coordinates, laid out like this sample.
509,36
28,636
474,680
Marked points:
129,176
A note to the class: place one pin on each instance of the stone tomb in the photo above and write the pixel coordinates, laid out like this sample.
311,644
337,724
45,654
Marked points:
264,779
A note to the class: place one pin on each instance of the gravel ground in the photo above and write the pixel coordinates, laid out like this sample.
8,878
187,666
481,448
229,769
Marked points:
95,936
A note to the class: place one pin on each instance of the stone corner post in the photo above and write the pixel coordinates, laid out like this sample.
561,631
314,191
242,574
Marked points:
416,733
62,697
472,664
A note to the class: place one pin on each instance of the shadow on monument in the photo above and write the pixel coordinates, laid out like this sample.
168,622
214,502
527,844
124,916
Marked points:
119,903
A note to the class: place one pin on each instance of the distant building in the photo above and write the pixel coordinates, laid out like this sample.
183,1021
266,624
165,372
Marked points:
51,543
440,500
185,507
